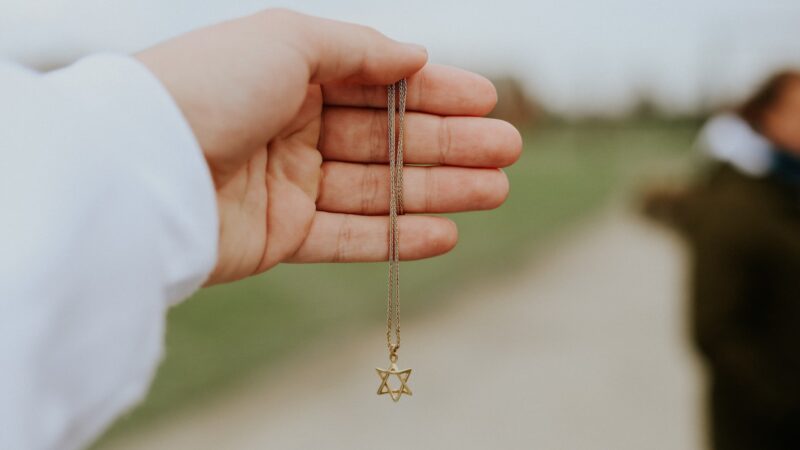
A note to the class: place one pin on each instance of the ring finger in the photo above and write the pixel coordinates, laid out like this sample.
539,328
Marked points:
364,189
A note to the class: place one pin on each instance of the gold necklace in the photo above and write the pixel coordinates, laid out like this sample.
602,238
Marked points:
396,96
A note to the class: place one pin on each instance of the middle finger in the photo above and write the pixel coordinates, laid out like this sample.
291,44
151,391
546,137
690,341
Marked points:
360,135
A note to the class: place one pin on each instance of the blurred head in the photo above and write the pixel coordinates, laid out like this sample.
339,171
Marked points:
774,111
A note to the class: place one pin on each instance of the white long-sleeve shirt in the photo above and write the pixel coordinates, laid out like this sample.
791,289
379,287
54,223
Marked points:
107,217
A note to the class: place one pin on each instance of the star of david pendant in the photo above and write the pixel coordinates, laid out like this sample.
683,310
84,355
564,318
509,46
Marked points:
402,377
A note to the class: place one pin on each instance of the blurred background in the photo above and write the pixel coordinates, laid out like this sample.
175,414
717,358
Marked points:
561,320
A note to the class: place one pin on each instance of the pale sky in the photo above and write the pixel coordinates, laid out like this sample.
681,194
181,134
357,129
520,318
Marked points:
576,56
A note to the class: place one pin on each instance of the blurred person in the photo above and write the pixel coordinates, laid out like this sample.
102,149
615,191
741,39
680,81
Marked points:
127,182
742,223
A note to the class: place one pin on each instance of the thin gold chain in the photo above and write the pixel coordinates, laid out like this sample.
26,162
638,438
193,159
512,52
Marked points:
396,107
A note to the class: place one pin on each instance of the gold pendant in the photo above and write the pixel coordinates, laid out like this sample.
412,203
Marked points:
401,375
395,209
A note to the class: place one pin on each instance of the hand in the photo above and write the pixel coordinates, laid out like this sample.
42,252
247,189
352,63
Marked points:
290,113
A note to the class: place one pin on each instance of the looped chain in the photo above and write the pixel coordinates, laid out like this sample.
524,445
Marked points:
396,108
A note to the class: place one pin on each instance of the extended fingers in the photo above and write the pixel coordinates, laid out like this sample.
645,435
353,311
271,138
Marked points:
364,189
360,135
435,89
353,238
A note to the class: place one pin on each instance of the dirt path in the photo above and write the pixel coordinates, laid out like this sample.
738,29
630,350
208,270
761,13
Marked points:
585,349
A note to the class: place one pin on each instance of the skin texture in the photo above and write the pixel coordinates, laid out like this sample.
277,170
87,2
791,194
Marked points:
781,120
289,112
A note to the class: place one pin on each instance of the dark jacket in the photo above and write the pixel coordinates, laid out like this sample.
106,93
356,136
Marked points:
744,236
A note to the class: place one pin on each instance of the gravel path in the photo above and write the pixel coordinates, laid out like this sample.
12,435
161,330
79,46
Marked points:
582,349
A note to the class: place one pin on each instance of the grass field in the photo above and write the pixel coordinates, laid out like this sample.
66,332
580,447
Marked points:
223,334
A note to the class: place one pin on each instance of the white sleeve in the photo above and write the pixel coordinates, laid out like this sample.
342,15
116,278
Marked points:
107,217
727,137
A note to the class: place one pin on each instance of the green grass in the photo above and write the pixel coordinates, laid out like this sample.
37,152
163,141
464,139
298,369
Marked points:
223,334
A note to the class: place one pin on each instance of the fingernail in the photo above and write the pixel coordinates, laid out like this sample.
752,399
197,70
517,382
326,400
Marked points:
417,48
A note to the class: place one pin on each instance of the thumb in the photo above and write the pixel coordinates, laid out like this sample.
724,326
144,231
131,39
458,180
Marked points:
239,83
340,51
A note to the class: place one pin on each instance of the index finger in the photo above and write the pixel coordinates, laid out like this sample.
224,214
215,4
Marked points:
435,89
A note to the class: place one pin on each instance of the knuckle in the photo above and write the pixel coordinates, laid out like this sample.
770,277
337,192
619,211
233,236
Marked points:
419,82
445,140
430,187
368,30
377,135
370,188
343,240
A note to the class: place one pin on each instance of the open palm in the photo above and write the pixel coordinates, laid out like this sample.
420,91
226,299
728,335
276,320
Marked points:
299,159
